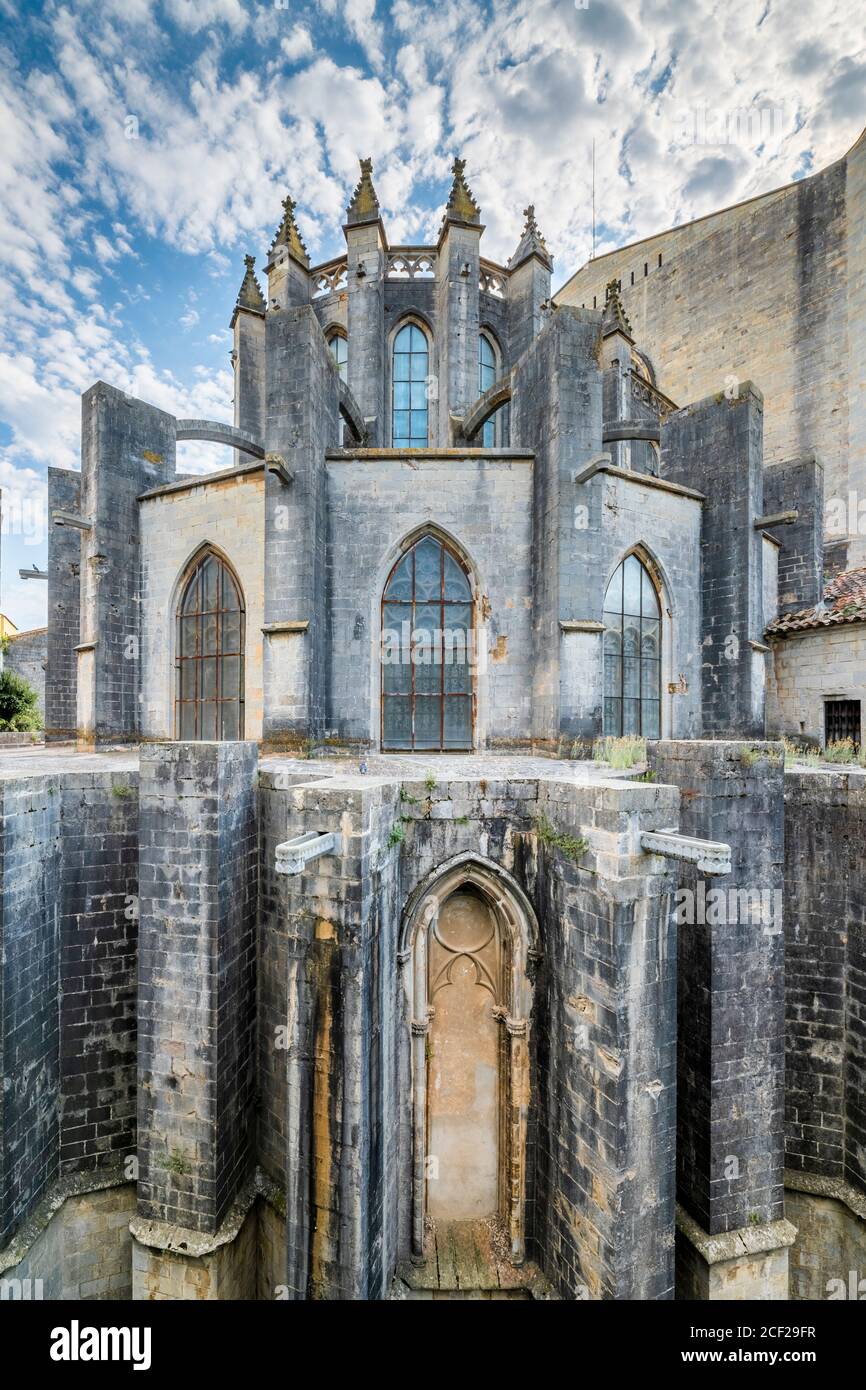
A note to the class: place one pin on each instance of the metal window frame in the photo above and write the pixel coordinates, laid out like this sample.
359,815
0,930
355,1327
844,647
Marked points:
642,698
410,323
444,603
199,613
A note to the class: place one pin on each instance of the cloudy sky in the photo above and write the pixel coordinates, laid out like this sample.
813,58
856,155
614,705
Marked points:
145,146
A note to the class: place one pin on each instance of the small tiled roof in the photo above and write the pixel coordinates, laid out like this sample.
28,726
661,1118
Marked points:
844,602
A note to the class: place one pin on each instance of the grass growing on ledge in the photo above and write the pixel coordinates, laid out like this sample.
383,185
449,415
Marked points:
620,752
841,750
555,839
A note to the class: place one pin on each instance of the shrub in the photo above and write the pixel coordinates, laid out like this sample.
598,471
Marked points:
18,711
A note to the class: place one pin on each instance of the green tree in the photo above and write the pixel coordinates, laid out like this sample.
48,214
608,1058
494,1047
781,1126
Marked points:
18,709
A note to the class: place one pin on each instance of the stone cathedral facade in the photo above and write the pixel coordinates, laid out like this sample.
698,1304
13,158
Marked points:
333,965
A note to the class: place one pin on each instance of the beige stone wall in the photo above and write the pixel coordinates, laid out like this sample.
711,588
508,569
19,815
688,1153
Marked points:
271,1272
751,1278
812,667
230,516
227,1273
773,291
830,1244
857,340
84,1249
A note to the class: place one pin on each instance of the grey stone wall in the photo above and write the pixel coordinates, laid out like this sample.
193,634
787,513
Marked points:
825,930
64,622
198,891
67,1005
250,402
528,288
731,981
303,421
458,322
606,1059
98,958
29,998
798,487
366,325
127,447
556,410
715,446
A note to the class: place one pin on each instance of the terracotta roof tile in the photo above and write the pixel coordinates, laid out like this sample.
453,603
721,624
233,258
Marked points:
844,602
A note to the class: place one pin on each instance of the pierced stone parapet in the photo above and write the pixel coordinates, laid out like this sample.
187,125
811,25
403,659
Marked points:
411,263
711,856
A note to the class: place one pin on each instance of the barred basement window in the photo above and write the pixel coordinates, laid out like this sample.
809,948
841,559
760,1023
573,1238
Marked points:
209,701
841,721
632,652
427,651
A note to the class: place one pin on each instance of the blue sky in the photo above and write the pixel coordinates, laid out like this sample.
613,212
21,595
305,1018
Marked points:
146,145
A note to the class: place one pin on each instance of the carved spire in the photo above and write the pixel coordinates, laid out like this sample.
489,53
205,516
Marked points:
289,236
614,317
364,206
462,207
531,243
250,295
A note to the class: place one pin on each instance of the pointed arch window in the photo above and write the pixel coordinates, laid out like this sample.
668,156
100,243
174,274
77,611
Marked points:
339,346
427,651
632,652
410,370
486,378
209,700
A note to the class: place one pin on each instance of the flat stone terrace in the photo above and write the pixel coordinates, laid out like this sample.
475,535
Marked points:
45,759
58,758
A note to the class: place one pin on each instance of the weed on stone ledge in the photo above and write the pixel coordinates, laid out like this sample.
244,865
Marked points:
555,839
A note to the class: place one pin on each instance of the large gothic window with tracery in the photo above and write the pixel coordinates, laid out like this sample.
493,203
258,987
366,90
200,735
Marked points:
209,701
410,370
427,651
632,652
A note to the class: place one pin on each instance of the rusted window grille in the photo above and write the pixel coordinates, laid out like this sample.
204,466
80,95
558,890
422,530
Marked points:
209,700
428,689
842,720
632,652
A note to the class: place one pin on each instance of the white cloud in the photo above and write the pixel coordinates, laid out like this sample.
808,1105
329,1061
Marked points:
298,44
201,14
